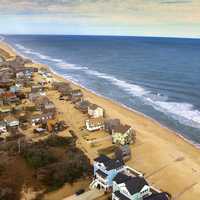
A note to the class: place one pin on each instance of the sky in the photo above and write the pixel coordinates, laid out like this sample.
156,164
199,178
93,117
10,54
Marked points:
174,18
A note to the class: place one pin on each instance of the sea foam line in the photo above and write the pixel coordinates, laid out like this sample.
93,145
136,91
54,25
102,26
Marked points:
185,113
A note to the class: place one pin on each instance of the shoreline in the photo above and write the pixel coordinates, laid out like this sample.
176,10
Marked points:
178,134
159,151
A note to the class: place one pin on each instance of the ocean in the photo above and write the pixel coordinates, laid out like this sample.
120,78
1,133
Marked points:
159,77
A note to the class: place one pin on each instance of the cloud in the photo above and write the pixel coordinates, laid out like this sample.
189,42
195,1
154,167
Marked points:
112,14
176,2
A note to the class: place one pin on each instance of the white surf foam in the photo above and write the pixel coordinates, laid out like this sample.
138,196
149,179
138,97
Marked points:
39,55
185,113
64,65
132,89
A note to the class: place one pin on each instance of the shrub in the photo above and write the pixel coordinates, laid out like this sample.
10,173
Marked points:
74,167
55,141
38,157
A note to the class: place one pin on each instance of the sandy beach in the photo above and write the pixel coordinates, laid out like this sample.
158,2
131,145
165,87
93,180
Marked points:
169,162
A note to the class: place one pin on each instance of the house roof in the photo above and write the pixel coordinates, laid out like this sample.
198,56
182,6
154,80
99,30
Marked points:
9,95
102,174
2,124
135,184
113,122
10,118
76,91
121,178
41,100
109,163
84,103
157,196
121,128
93,106
102,159
120,196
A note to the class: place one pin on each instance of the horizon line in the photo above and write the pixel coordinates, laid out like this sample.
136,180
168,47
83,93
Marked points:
98,35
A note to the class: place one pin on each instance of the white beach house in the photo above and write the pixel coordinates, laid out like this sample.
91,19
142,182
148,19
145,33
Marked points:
95,111
127,187
94,124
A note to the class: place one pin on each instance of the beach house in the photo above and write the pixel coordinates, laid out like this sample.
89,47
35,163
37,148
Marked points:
111,124
75,99
123,153
82,106
127,187
5,110
6,82
41,118
10,97
48,106
105,170
11,122
122,135
41,101
94,124
33,96
95,111
37,88
76,94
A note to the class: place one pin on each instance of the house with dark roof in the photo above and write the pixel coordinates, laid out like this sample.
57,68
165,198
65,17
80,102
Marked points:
76,93
105,170
122,135
62,87
111,124
123,153
127,187
82,106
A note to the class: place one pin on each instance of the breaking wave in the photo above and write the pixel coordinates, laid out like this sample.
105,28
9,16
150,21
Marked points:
59,62
185,113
